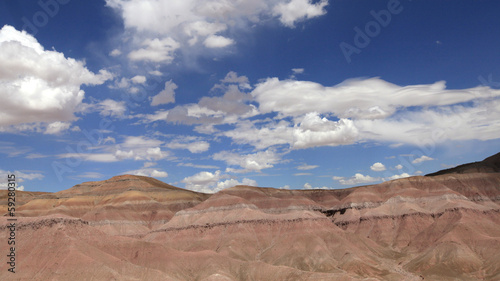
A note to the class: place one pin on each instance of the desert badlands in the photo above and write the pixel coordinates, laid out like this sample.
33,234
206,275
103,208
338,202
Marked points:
443,226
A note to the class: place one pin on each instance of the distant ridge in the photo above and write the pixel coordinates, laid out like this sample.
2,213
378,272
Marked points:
121,183
488,165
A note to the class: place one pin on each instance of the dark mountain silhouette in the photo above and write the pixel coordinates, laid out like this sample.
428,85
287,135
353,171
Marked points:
488,165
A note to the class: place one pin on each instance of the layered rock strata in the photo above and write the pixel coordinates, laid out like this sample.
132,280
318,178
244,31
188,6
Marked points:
445,226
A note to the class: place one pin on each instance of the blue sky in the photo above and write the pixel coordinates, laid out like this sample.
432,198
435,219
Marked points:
281,93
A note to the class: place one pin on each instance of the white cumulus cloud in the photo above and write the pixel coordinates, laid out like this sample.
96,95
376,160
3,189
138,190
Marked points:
39,86
191,144
299,10
166,26
216,41
421,159
138,79
156,50
316,131
308,186
208,182
358,178
250,162
401,176
378,167
148,172
305,167
167,95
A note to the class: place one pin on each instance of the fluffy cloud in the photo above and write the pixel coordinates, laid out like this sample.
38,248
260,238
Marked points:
167,95
208,182
115,53
216,41
233,78
136,148
153,15
371,98
299,10
155,73
480,120
232,182
202,178
356,179
249,162
399,167
198,166
160,115
304,114
55,128
315,131
191,114
156,50
227,109
93,157
148,172
308,186
401,176
204,18
138,79
378,167
189,143
108,108
306,167
187,23
267,134
310,131
422,159
295,72
39,86
128,84
370,109
202,28
35,156
149,164
233,102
